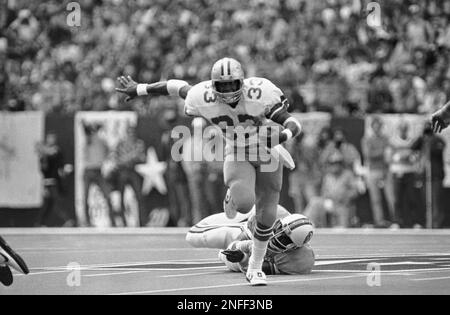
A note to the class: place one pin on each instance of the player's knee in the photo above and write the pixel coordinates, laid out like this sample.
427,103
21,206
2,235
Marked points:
195,239
243,197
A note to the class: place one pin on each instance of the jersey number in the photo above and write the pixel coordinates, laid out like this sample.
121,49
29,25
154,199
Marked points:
229,122
209,97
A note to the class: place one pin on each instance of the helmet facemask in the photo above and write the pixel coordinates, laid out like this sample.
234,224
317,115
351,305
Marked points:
227,79
228,92
281,242
290,233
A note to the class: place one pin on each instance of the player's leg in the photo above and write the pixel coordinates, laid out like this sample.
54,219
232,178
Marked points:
216,231
240,179
268,187
9,258
213,237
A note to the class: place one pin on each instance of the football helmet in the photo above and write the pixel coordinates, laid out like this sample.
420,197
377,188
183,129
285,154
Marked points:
227,78
291,232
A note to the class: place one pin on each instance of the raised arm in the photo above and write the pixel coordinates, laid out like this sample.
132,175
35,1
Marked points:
132,89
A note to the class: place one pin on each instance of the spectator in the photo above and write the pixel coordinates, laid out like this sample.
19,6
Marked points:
52,168
340,145
417,29
374,150
379,97
196,168
95,154
335,51
405,90
3,74
129,152
333,208
403,171
431,148
176,179
304,181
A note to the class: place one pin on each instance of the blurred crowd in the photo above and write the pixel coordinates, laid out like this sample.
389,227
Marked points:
402,175
328,55
325,54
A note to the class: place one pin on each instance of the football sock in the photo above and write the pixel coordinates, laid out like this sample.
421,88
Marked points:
260,241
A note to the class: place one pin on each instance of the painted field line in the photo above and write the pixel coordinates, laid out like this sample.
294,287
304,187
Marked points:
234,285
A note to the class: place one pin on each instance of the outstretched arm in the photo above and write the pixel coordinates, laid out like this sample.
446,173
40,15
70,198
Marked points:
441,118
132,89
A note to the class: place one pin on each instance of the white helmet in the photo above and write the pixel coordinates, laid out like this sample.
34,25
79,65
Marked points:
291,232
227,71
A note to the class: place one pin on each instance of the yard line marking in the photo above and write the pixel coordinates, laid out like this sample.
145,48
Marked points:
393,272
115,273
173,231
192,274
119,270
430,279
386,255
424,270
151,269
339,261
41,273
235,285
106,250
127,264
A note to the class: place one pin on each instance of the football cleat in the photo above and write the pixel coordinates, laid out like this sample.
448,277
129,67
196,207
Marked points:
6,277
11,258
256,277
229,207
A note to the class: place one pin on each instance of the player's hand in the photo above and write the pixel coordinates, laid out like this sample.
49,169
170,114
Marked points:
234,256
441,119
129,87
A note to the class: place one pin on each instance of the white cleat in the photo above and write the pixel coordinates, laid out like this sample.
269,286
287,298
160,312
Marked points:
256,278
229,207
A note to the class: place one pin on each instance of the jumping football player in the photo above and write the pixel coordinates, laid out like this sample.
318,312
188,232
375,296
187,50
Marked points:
288,252
10,259
441,118
234,104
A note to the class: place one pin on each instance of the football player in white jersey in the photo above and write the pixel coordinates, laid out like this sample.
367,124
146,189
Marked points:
288,252
10,259
242,108
441,118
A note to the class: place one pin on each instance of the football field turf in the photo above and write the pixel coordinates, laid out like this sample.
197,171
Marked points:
159,261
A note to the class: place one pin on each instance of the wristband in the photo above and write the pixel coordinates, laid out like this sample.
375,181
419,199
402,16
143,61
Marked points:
288,134
141,89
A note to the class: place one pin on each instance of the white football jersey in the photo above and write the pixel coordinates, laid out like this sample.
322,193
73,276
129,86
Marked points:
260,99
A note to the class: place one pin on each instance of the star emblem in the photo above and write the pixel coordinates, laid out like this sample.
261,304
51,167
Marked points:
153,173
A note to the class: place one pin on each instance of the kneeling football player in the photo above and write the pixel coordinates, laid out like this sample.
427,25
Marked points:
288,251
10,259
